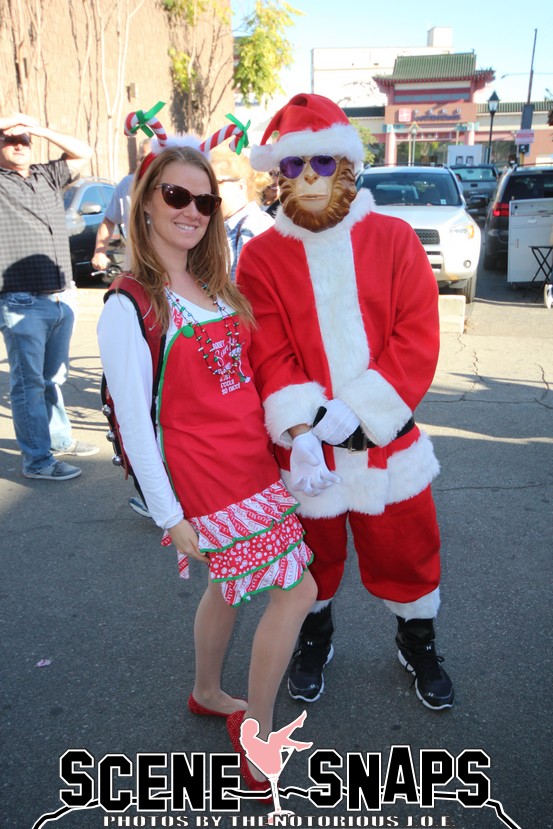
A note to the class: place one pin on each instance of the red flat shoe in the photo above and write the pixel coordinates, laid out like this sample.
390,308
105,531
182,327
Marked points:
234,721
202,711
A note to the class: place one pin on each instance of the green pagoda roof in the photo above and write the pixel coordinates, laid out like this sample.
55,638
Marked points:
461,66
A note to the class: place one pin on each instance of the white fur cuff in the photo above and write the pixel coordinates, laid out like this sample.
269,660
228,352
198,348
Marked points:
424,608
291,406
378,406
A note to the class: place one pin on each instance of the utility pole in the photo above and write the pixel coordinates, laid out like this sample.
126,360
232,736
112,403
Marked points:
528,109
532,68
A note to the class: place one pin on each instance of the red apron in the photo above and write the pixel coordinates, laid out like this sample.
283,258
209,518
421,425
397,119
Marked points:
212,432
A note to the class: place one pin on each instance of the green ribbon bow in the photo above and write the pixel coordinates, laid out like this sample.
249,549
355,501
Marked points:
243,141
144,117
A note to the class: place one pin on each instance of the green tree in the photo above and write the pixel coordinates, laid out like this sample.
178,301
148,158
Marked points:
367,138
264,50
204,70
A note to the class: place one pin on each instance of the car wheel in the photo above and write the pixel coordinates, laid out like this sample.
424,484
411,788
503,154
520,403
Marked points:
490,262
469,291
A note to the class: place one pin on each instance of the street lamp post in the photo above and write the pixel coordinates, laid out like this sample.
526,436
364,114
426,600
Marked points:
493,103
413,133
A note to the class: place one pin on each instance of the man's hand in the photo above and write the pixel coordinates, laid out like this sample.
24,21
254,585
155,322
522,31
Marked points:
337,424
100,262
309,472
17,123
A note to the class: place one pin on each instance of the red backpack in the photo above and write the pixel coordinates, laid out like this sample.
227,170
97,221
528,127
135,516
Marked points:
130,287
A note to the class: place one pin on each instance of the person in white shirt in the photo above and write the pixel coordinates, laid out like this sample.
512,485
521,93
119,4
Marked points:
117,213
240,191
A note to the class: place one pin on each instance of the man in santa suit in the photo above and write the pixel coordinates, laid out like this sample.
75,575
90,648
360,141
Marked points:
345,349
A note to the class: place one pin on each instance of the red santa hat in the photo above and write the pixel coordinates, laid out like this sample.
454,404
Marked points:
308,125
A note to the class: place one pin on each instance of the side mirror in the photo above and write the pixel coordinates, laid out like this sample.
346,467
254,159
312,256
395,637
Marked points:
90,209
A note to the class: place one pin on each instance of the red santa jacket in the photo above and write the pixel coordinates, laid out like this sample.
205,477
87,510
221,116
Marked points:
349,312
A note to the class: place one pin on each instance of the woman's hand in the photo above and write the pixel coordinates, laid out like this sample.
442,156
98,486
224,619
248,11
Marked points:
184,537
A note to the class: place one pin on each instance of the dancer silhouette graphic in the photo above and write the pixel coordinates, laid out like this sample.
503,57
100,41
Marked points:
267,754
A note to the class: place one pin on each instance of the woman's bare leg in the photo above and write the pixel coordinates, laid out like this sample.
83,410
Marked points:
272,648
212,631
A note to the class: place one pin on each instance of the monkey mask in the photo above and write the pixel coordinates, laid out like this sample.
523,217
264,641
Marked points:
317,152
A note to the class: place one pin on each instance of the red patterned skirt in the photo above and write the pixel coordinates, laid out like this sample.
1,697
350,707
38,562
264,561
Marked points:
253,545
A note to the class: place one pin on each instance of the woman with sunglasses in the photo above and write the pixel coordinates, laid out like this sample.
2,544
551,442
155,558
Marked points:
208,475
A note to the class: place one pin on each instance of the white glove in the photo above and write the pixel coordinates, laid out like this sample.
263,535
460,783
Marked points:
338,423
308,470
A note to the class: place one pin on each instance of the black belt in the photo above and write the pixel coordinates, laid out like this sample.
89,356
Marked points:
358,441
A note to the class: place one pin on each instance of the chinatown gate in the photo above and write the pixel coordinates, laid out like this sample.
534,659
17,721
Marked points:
435,101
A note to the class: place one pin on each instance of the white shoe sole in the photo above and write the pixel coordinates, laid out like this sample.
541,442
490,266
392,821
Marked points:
140,510
411,670
38,477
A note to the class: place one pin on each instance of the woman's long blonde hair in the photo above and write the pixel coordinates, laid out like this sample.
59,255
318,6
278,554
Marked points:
208,262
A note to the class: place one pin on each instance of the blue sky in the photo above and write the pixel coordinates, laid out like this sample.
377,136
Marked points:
500,33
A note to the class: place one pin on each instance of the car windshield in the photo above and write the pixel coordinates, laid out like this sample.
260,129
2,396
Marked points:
412,188
475,173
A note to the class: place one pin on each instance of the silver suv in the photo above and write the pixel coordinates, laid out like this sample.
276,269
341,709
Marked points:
431,201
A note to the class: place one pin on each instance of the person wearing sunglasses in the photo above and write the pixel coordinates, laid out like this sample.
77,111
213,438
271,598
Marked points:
345,349
238,185
37,293
198,446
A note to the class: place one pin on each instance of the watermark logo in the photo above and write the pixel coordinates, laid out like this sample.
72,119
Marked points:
199,790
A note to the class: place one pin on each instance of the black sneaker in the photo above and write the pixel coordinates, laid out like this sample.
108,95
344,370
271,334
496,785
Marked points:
306,680
432,685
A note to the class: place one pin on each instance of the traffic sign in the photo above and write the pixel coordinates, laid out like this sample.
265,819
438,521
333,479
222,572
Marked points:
524,137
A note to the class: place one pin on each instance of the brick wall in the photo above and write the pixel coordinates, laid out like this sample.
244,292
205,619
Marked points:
84,64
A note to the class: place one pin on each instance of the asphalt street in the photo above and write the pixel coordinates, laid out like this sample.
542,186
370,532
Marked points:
97,645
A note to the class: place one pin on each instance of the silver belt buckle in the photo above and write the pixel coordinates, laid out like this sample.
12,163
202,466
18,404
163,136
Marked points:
350,444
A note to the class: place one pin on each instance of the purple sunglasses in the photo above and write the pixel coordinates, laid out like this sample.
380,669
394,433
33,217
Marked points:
292,165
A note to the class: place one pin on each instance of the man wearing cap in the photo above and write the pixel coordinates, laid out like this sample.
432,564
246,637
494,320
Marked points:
345,349
36,316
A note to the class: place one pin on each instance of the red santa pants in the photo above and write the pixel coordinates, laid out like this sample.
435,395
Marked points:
398,551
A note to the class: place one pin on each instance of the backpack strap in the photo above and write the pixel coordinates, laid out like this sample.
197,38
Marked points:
129,286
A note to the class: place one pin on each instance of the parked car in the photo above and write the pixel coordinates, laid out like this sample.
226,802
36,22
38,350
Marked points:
478,183
520,183
85,202
431,201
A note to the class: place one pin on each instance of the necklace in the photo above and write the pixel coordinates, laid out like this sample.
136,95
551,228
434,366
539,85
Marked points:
214,361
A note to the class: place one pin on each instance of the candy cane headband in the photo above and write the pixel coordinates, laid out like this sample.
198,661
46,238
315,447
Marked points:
149,123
